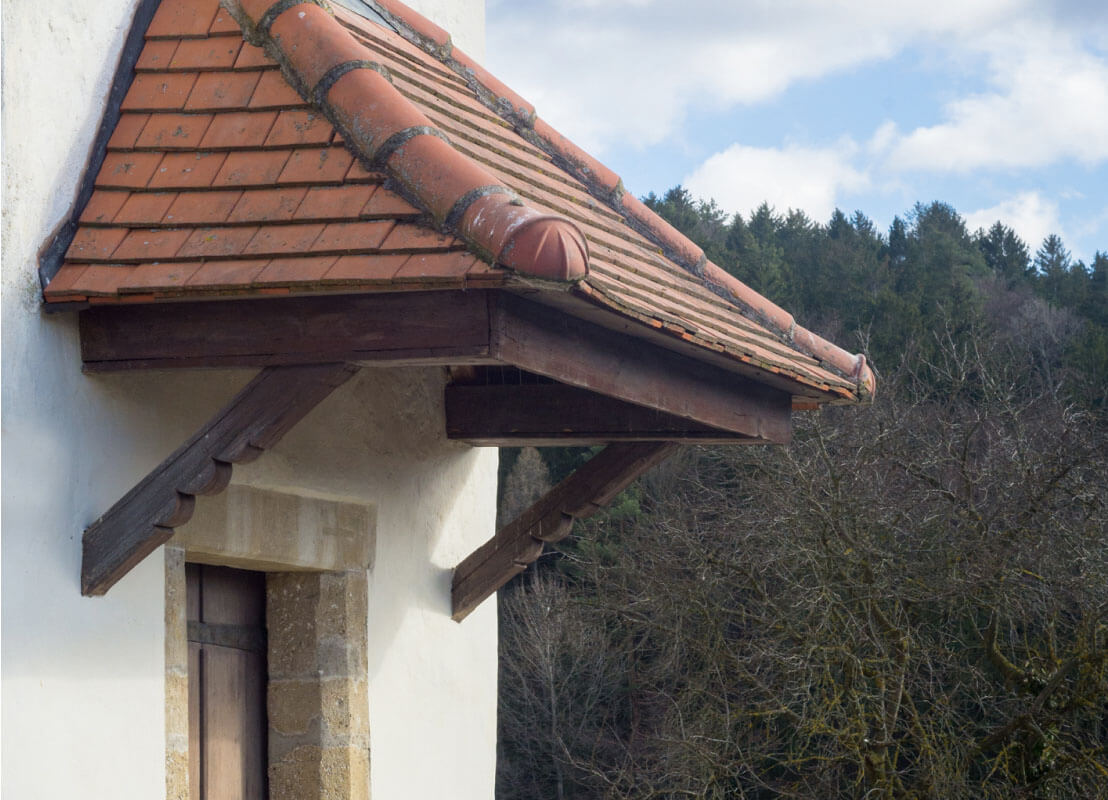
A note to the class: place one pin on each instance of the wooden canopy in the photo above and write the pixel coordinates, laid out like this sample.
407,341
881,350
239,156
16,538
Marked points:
304,189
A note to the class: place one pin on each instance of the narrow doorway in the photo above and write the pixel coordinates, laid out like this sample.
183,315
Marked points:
227,683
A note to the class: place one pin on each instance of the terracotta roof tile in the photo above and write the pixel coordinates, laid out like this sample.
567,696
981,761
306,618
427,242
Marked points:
100,279
145,208
103,206
238,129
251,57
224,23
187,170
283,239
156,55
161,277
173,131
316,165
384,203
273,91
180,18
206,54
365,269
127,131
220,90
333,202
267,205
252,168
62,284
437,266
410,237
221,275
216,242
159,91
202,208
299,127
147,244
353,236
95,243
221,179
297,269
358,173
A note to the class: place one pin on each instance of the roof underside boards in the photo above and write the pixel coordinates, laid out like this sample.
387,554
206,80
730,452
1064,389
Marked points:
220,180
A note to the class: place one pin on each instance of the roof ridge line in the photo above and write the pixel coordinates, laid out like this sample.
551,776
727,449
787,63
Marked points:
338,75
604,184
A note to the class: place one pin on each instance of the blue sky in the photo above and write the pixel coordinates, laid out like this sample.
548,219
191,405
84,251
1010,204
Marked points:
998,107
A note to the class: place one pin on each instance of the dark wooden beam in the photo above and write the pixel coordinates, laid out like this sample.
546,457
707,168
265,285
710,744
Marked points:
520,542
556,415
254,420
550,343
400,327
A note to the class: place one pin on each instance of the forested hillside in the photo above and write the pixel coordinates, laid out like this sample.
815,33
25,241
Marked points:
909,601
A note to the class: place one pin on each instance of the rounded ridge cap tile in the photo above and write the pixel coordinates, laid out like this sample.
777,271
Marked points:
547,246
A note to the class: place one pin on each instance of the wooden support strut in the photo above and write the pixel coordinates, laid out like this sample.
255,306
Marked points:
520,542
255,420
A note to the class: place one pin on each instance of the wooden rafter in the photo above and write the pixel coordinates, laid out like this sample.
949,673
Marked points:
253,421
396,328
520,542
556,415
572,351
449,327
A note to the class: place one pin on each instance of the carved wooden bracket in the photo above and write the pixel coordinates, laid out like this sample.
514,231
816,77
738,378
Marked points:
520,542
255,420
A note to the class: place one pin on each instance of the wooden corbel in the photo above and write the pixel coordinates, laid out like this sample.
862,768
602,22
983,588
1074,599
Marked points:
255,420
516,545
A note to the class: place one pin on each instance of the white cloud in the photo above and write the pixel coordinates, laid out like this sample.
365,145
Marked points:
1029,214
740,178
628,72
1049,102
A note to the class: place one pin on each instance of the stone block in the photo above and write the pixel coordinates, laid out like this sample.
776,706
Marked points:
176,612
294,706
291,602
177,775
176,705
344,774
344,707
264,529
297,775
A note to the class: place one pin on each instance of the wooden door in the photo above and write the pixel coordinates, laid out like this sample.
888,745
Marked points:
227,683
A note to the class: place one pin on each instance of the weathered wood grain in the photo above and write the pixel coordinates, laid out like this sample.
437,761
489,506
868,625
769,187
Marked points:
593,486
571,351
253,421
401,327
556,415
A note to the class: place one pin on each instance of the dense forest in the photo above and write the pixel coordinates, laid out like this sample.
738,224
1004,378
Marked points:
909,601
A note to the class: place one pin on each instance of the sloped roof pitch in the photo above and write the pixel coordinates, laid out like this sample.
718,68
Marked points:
291,148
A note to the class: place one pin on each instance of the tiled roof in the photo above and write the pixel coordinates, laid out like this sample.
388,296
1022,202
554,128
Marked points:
225,175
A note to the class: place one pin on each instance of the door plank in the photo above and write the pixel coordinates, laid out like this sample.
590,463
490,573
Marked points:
227,686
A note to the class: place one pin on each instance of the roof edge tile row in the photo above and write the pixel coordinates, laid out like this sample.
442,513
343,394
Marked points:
336,73
607,186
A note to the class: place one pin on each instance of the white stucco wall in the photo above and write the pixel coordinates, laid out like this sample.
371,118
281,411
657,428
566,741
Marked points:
432,682
464,19
83,695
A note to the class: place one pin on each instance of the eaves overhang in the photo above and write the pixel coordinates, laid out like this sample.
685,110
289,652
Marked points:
290,148
304,189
